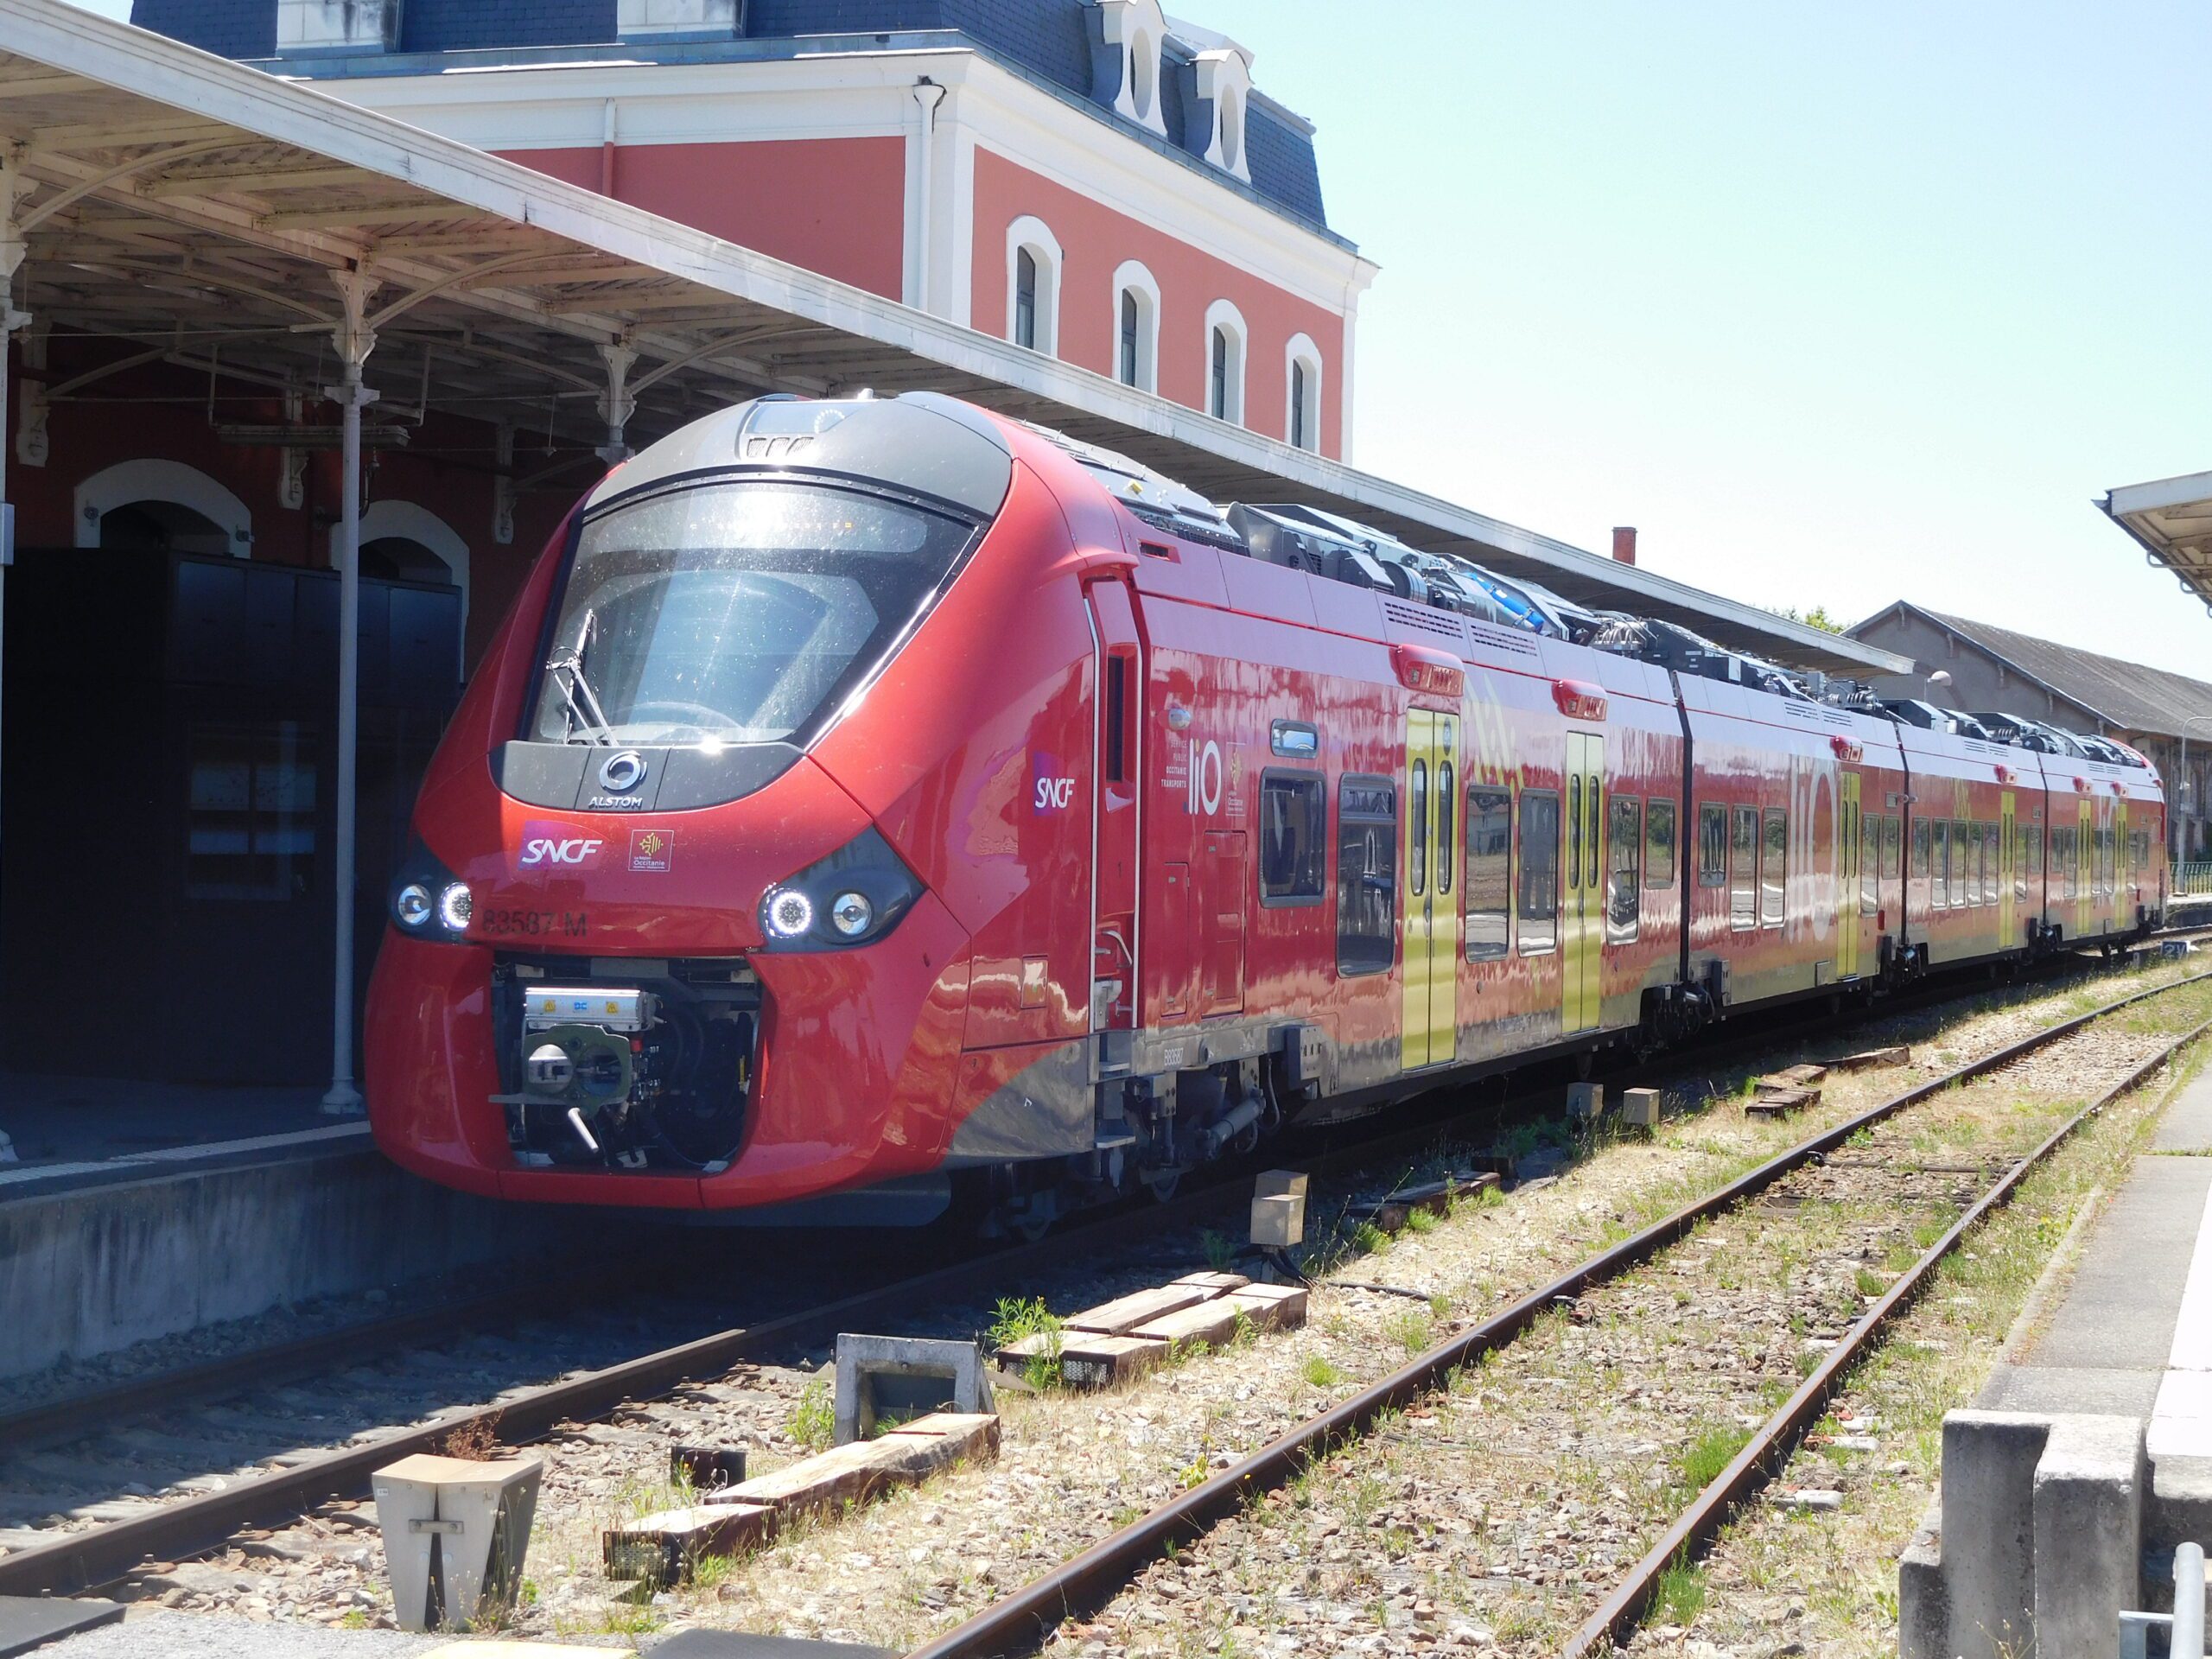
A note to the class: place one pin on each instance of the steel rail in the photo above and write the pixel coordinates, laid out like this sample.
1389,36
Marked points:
1768,1449
1021,1624
87,1413
82,1561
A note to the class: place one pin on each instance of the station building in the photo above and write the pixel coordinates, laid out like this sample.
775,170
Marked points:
2167,716
495,246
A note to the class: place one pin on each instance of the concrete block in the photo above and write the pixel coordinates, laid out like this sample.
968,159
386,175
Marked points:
1100,1362
1989,1478
2089,1486
1212,1323
1278,1207
905,1377
1271,1307
1586,1101
1923,1603
858,1471
456,1532
1641,1108
665,1548
1124,1313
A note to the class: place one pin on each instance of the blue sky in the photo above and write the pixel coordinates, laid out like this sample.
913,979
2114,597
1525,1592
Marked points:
1837,304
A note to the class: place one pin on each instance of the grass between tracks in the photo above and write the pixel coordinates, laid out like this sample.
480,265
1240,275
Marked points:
1076,1467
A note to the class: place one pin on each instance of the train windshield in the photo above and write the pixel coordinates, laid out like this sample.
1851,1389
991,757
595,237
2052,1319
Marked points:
735,613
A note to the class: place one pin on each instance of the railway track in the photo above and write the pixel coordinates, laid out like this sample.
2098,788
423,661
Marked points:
145,1488
1087,1584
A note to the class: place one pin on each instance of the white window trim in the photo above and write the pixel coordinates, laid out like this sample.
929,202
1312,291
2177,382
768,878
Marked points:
1223,315
1032,233
1133,274
1138,29
152,480
1302,349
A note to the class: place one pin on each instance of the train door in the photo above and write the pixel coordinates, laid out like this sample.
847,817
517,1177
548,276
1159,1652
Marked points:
1430,891
2124,895
1582,926
2085,886
1114,809
2007,852
1848,879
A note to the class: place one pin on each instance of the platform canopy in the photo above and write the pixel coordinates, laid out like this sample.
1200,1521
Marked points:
200,208
2172,520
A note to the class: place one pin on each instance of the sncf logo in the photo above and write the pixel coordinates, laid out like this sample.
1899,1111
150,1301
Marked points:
547,845
1053,794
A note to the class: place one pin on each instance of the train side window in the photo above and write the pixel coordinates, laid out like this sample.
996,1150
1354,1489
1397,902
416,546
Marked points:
1417,837
1489,872
1625,882
1659,844
2020,856
1920,855
1573,832
1293,838
1959,899
1539,903
1870,863
1712,846
1892,843
1117,727
1367,874
1743,869
1938,864
1446,803
1774,867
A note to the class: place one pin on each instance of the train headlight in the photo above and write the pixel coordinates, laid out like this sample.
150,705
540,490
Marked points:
791,913
428,900
853,897
411,905
455,906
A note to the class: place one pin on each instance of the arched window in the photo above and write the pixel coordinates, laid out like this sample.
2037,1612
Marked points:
1025,298
161,503
1136,327
1033,286
1302,414
1225,339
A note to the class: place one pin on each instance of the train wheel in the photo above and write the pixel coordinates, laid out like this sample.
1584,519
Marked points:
1162,1186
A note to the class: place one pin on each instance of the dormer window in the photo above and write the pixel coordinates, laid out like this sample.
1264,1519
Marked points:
319,27
1127,37
1215,119
677,20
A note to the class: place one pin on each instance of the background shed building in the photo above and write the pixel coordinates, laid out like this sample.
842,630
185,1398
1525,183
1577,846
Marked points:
2167,716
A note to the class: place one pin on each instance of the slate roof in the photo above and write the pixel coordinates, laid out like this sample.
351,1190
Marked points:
1045,38
2130,695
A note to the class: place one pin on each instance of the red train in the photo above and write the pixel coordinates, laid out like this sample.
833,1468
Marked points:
879,801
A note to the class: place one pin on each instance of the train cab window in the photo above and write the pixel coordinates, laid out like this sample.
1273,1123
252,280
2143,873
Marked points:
1417,830
1446,803
1712,846
1294,835
1659,844
1367,875
1743,869
1489,872
1774,867
1625,870
1539,898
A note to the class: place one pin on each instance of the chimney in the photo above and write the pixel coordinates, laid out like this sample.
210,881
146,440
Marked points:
1624,543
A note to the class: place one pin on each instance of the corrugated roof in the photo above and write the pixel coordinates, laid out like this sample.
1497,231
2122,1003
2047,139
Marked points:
2131,696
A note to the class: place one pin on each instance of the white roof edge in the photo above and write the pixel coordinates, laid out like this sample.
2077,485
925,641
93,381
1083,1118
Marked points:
165,72
2159,493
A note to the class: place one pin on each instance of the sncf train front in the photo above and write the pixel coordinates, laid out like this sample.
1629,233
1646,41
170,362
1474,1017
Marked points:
756,863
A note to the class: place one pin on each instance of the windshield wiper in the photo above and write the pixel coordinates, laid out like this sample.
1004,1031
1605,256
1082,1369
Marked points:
566,666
